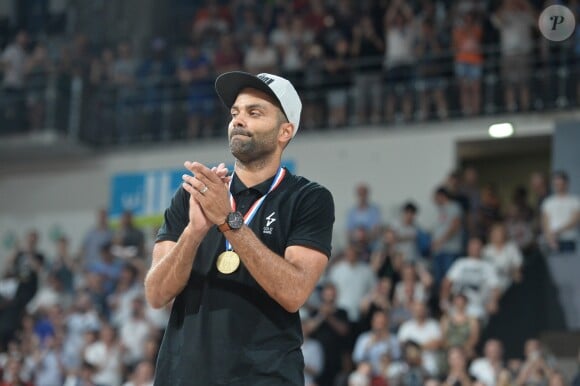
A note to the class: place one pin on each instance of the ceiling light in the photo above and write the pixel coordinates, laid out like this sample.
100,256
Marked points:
501,130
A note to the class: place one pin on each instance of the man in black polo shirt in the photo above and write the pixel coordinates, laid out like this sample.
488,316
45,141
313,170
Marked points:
240,256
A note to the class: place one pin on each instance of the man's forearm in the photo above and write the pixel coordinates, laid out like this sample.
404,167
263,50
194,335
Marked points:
171,269
282,280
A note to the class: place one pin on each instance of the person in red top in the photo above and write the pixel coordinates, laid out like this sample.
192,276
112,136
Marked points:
467,45
12,371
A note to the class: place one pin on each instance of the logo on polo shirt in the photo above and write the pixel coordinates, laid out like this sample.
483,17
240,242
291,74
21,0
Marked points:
270,219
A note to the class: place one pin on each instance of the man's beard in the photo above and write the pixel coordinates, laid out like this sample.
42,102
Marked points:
250,148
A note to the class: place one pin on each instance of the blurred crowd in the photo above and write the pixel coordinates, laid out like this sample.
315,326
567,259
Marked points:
354,63
401,304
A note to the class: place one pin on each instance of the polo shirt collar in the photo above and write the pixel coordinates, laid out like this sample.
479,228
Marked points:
262,188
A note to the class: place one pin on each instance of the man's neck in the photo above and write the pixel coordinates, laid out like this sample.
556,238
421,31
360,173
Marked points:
253,173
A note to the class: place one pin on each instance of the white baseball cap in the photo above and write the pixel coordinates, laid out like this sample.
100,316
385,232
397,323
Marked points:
229,85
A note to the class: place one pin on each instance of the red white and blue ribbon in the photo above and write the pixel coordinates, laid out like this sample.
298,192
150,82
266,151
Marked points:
254,208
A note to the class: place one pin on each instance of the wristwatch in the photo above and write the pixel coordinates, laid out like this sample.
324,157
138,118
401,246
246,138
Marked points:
234,221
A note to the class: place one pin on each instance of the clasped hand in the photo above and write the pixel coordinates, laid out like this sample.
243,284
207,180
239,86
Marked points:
209,197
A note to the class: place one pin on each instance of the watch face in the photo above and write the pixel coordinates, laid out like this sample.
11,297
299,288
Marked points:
235,220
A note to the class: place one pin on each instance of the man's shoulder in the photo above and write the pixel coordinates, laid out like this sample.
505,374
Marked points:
303,183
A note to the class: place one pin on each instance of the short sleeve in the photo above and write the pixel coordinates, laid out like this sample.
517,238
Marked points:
313,220
454,272
175,218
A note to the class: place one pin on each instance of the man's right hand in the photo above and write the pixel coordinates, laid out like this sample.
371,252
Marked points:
197,218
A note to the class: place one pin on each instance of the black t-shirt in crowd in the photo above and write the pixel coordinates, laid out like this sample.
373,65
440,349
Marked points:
225,329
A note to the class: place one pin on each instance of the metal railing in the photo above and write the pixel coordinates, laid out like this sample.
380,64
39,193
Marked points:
165,110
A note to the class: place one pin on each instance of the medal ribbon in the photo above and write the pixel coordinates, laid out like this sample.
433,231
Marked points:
256,205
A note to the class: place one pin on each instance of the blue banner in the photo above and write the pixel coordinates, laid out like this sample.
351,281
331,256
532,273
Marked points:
149,193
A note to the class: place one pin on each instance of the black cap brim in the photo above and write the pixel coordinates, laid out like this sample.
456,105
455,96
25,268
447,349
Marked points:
229,85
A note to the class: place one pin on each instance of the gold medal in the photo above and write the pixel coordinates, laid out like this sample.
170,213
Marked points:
228,262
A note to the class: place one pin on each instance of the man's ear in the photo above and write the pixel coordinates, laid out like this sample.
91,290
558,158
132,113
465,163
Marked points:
286,132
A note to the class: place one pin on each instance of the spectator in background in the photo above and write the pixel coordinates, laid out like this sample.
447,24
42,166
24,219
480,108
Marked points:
399,58
429,50
82,318
367,47
412,372
373,344
410,288
536,369
378,299
49,295
129,241
446,245
105,354
407,233
18,287
561,216
120,301
338,80
12,374
467,44
96,237
260,57
353,279
154,74
313,357
312,84
247,26
109,267
470,189
458,328
288,46
142,375
361,376
516,20
329,326
194,73
38,69
540,188
123,73
425,332
504,255
475,278
101,69
519,220
13,66
489,212
364,214
49,368
457,363
211,22
134,333
63,265
384,259
227,56
487,369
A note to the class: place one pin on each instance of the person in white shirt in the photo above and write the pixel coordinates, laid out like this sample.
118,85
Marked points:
142,375
135,332
372,345
313,358
353,279
406,231
561,216
475,278
505,256
105,354
424,331
486,369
